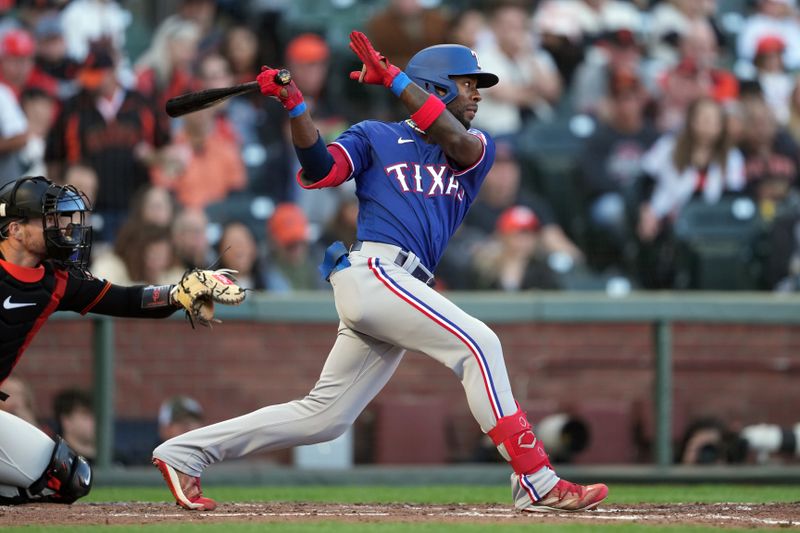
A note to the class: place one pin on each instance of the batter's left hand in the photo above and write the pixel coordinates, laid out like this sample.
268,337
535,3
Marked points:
376,70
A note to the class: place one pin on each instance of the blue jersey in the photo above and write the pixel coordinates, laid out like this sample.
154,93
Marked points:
408,193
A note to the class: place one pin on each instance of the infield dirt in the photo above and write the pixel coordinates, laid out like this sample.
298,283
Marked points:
718,514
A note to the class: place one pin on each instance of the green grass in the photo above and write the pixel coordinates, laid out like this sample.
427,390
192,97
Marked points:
440,494
620,494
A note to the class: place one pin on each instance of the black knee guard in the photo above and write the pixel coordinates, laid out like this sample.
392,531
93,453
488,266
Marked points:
67,477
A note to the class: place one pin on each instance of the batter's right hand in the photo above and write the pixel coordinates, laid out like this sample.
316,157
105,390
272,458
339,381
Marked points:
376,70
289,95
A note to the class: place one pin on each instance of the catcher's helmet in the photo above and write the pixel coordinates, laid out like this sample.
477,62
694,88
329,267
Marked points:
35,197
433,67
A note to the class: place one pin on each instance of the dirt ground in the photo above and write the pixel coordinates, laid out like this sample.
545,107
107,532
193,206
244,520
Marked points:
721,515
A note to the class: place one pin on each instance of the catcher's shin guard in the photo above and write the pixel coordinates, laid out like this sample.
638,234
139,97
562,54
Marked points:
67,477
515,440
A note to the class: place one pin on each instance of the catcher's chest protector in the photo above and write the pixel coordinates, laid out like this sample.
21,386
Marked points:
29,296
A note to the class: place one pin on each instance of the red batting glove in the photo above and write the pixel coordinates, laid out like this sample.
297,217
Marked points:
377,70
289,95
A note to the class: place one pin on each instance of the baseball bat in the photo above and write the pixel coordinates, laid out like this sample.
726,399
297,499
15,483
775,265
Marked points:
190,102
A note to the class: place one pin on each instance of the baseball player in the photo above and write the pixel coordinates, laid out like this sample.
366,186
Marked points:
415,181
44,246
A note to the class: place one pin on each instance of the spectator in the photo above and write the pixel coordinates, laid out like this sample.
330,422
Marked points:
669,22
405,26
40,111
90,21
84,178
611,165
616,51
514,260
153,205
240,48
20,400
562,36
773,17
164,70
238,251
243,120
178,415
468,27
781,270
343,225
13,124
501,190
794,111
775,82
680,86
112,129
214,72
190,239
142,254
291,265
529,81
598,17
709,441
17,65
74,421
698,162
772,158
698,60
52,58
201,165
204,14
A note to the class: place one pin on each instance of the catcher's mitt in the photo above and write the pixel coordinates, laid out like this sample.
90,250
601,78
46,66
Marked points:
198,289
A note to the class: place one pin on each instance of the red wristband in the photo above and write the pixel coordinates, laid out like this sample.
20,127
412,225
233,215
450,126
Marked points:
428,113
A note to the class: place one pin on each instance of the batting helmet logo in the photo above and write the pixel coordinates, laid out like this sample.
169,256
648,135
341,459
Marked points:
433,68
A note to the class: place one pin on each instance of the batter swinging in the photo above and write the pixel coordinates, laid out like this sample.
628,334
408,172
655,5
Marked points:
415,181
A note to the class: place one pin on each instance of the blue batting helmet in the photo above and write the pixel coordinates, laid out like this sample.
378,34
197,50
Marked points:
433,67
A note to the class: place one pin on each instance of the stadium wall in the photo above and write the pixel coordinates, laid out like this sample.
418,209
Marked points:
599,372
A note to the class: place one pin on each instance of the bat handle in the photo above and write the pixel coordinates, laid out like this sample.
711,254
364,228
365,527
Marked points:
283,77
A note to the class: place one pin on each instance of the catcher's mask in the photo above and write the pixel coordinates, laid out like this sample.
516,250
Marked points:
63,211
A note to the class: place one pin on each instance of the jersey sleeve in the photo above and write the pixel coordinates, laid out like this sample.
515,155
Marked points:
90,295
471,178
356,146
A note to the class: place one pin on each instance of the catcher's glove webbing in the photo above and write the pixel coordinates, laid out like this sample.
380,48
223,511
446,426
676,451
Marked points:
198,289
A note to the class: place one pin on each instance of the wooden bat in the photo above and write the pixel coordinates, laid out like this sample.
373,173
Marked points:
190,102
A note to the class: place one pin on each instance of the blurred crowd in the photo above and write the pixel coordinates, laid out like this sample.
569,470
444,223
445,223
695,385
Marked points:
72,416
640,144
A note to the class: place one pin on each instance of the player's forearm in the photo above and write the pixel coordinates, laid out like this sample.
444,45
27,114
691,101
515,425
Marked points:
304,131
446,130
135,302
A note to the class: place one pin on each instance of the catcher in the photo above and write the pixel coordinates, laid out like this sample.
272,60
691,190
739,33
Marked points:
44,248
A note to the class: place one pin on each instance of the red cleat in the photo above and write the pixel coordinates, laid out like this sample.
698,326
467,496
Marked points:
566,496
185,488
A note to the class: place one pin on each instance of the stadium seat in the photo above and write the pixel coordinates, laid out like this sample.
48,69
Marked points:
549,156
253,211
715,245
134,441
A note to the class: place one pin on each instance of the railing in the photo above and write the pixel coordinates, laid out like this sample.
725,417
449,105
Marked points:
658,309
